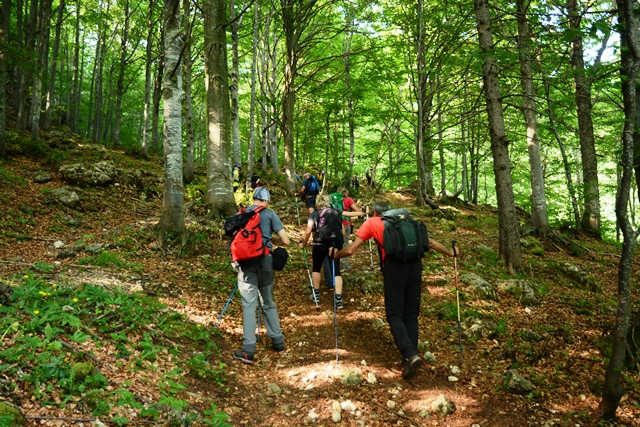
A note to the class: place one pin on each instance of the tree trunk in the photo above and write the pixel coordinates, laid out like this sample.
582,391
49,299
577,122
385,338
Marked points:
591,215
172,218
146,127
235,70
27,75
41,64
120,84
346,51
46,125
510,249
5,12
188,119
219,190
629,18
252,110
538,197
75,91
155,112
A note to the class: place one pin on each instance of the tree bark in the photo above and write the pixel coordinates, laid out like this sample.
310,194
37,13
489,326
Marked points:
629,19
42,56
219,190
235,70
5,12
155,112
121,68
172,218
146,127
75,85
188,119
591,214
46,125
252,108
26,74
509,249
538,198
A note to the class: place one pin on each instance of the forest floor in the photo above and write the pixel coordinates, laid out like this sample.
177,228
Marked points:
565,366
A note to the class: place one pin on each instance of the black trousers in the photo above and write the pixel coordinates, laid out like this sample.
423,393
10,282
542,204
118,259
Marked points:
402,292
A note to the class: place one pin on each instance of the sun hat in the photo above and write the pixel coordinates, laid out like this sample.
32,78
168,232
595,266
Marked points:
261,193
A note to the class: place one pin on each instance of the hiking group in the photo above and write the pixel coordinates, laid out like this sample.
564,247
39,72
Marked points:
401,243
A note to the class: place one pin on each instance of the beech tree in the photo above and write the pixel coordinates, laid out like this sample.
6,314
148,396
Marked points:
510,249
219,190
629,24
172,217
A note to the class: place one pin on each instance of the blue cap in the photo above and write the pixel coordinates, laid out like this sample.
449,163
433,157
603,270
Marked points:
261,193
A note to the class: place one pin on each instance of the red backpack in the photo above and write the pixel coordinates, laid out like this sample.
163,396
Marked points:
247,245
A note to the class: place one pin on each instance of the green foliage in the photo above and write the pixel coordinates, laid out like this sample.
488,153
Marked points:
8,178
109,259
42,312
216,418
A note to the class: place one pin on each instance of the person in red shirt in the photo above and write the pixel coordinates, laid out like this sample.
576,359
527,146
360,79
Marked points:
348,205
402,288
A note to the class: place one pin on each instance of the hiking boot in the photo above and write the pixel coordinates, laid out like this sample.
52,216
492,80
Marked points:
410,367
339,304
243,357
317,296
278,348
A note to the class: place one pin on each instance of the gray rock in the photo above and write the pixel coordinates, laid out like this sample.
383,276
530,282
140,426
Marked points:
66,253
377,323
350,377
443,406
520,289
7,408
101,173
66,197
71,221
481,286
94,248
515,383
474,329
26,209
42,177
580,277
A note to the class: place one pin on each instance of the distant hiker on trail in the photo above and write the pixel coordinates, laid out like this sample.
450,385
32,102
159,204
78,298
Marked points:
255,282
402,287
255,180
355,183
348,205
236,177
309,191
326,226
369,176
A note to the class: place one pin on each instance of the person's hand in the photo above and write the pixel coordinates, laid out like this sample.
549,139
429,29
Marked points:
301,244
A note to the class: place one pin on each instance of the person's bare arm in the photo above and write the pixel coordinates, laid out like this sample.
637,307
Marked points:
434,244
349,250
355,208
307,233
353,214
282,235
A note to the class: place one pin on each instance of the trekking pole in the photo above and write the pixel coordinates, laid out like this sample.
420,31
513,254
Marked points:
259,310
226,305
297,209
313,292
335,308
455,270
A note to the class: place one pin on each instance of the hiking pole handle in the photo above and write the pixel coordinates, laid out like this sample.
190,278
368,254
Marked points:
455,251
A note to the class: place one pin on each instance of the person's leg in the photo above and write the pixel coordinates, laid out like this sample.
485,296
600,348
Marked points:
271,319
318,254
347,236
395,278
413,294
328,276
248,287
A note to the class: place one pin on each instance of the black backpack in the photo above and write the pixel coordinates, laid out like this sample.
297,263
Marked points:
328,227
405,239
314,186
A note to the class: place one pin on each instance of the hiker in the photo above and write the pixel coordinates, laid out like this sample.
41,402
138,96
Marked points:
348,205
309,191
369,176
236,177
256,282
255,180
402,288
326,226
355,183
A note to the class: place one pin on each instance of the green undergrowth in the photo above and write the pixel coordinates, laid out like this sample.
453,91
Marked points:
46,327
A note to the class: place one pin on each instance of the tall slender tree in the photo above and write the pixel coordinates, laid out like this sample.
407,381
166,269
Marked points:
219,190
46,124
5,11
188,101
538,197
146,129
591,213
510,250
629,20
124,41
172,217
